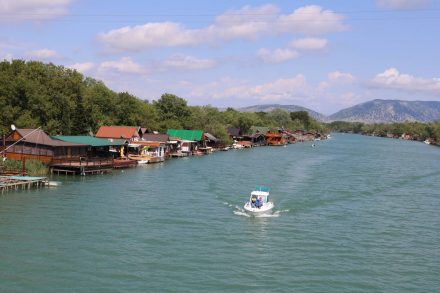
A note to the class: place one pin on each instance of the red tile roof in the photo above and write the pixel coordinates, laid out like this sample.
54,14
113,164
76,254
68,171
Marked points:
126,132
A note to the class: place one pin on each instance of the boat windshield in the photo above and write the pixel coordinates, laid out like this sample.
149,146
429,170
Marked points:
258,196
262,188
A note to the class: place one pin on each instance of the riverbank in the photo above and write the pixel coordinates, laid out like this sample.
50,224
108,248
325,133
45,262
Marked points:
417,131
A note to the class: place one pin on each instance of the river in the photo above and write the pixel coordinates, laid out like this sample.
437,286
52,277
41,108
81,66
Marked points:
353,214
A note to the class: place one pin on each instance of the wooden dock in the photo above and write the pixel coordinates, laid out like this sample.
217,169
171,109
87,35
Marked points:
82,166
21,182
123,163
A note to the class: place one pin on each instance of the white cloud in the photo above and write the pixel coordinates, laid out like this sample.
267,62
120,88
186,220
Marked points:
277,55
150,35
19,10
393,79
43,54
247,23
336,78
402,4
281,90
311,20
181,62
285,54
340,77
307,44
124,65
83,67
7,57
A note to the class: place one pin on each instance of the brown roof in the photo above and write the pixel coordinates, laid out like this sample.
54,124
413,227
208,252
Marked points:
210,137
126,132
154,144
39,137
155,137
233,131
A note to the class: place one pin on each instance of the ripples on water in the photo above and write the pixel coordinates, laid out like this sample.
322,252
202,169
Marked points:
352,214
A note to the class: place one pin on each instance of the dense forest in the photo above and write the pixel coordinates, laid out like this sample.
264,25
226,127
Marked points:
63,101
409,130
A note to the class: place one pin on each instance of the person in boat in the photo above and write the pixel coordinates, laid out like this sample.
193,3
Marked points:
254,202
259,202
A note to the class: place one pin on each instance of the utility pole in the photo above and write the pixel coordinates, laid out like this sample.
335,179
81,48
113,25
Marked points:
23,172
4,145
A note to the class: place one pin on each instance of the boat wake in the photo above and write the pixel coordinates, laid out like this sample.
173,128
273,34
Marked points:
239,211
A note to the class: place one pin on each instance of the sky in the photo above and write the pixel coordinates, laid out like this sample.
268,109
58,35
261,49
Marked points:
323,55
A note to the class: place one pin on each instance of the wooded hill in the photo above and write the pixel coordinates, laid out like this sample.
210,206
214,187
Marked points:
390,111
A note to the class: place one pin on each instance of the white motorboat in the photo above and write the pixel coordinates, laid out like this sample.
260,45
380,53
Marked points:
259,202
140,159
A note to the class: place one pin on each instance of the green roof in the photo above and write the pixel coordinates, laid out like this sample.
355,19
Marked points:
186,134
88,140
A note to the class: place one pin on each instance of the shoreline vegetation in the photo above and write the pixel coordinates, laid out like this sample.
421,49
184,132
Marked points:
64,102
417,131
31,168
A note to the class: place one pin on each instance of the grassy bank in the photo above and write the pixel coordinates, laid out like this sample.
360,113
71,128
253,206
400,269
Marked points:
32,167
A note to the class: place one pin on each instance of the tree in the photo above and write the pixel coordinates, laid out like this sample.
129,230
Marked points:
302,116
279,117
244,123
172,107
219,131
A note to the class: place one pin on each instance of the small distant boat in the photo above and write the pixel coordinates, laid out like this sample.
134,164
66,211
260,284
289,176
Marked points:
237,146
427,141
140,159
54,183
259,201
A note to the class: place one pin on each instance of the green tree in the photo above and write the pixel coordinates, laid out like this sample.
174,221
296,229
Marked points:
302,116
244,123
172,107
279,117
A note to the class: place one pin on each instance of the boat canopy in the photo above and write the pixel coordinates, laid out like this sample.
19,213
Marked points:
260,192
262,188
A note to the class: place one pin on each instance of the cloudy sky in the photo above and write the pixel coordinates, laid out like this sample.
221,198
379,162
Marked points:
324,55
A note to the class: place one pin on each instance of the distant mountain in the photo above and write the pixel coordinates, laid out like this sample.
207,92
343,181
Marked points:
386,111
288,108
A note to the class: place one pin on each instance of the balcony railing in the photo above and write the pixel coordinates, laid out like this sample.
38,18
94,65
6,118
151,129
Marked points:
82,162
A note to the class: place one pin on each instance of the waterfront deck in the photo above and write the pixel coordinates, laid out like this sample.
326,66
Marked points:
82,166
21,182
123,163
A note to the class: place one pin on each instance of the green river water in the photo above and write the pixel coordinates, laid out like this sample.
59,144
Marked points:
353,214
